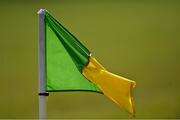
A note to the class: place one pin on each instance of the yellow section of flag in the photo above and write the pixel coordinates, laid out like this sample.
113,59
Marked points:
117,88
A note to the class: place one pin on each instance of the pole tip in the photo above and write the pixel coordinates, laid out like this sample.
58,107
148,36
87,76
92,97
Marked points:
42,11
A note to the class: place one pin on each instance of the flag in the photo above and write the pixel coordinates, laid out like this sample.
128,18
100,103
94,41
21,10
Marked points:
71,67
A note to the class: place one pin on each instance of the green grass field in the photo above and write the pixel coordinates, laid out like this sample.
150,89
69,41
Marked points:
139,40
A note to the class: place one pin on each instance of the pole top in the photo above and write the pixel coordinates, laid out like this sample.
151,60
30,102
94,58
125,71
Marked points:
42,11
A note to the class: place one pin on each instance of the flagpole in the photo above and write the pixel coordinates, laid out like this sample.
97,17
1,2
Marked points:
42,65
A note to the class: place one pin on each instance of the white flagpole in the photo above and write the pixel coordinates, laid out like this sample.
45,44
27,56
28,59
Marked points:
42,65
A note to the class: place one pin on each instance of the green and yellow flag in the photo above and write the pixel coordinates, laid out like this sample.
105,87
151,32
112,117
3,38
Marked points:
71,67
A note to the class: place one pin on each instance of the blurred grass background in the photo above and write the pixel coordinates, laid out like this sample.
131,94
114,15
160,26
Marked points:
138,39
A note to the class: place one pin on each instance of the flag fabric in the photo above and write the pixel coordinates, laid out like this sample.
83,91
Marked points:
71,67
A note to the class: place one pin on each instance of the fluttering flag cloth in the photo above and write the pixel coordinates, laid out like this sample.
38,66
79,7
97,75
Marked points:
71,67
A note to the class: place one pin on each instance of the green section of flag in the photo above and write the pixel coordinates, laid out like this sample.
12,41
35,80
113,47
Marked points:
65,57
77,51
